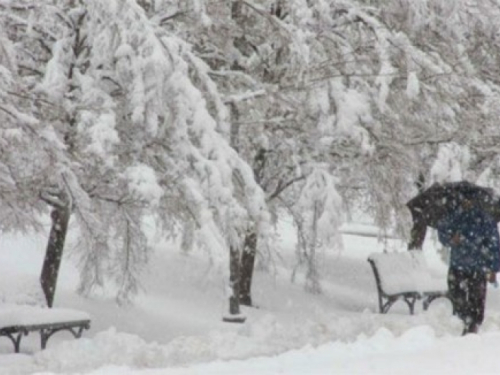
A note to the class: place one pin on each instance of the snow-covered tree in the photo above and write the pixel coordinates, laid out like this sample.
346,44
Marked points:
134,136
204,112
22,156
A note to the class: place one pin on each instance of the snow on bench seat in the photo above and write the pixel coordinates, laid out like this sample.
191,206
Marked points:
19,320
406,276
18,315
23,309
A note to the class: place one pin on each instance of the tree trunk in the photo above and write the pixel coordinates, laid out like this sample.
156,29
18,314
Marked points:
419,229
312,276
234,276
247,267
250,243
418,232
53,255
234,268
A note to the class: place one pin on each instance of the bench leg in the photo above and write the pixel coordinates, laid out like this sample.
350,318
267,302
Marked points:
410,301
44,337
380,304
16,339
427,302
429,299
384,307
45,334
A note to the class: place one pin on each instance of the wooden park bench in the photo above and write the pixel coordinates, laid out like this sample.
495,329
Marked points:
23,310
405,276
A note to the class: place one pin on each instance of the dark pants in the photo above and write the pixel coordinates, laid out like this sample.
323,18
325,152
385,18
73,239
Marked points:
467,291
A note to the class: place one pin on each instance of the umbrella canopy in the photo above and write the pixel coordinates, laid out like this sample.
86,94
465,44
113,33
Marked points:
441,200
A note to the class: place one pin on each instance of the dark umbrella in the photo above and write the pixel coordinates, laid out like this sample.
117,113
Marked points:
440,200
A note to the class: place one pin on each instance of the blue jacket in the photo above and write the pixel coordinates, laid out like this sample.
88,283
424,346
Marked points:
478,245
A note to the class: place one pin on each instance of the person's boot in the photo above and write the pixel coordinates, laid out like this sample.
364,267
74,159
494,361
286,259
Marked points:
470,328
474,328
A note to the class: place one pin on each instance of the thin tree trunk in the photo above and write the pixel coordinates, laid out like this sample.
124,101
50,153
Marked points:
247,267
312,276
419,229
250,243
53,255
234,276
234,268
242,267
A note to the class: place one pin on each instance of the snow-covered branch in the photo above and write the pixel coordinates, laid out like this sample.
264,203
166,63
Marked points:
244,96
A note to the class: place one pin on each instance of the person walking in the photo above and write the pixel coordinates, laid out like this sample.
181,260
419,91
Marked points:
473,239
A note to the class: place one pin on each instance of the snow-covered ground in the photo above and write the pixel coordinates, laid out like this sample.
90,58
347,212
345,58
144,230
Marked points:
175,325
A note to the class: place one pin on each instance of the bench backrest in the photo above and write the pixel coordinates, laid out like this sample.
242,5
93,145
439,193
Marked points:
406,271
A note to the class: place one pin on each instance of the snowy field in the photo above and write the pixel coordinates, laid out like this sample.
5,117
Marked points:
175,326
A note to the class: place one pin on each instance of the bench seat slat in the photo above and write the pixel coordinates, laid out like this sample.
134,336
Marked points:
38,327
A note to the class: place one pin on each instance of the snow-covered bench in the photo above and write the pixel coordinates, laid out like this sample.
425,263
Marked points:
405,276
17,321
23,310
